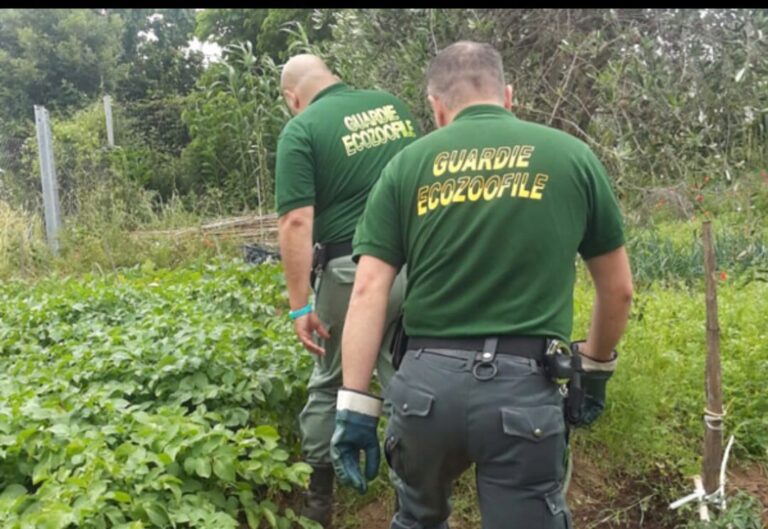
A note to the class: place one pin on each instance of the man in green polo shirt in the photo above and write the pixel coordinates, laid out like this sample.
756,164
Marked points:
489,213
329,156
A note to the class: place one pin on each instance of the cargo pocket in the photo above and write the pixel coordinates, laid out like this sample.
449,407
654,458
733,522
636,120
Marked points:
538,435
332,294
343,270
407,426
561,516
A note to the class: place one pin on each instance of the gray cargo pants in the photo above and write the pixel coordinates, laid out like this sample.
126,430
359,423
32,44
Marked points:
333,289
511,426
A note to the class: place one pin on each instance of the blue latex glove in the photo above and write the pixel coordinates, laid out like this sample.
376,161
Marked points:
357,415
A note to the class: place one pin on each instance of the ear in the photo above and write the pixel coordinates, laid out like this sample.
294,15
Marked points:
508,97
292,100
438,110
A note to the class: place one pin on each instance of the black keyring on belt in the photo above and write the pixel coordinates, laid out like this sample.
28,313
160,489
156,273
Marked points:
491,364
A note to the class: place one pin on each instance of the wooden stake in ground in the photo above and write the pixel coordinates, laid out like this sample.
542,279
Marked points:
713,414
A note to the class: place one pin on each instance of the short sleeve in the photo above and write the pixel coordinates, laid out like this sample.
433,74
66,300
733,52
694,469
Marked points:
604,229
295,170
379,231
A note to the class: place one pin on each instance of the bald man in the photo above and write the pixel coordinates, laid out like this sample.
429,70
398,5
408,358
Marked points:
329,157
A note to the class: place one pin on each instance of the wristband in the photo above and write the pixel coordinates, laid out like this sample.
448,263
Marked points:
306,309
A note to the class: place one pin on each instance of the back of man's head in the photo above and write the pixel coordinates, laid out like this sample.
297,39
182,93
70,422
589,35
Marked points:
303,76
303,68
465,72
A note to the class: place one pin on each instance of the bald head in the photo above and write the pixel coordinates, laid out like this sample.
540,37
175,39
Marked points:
299,68
303,76
466,71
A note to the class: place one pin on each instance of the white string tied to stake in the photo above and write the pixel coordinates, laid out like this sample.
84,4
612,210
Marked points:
714,420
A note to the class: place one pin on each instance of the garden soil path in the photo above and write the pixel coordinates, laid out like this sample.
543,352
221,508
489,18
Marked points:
594,506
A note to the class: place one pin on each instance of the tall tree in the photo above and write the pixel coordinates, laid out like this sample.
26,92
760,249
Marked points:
56,57
262,27
155,52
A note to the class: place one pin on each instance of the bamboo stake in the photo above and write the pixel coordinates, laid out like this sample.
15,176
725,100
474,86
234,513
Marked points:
713,415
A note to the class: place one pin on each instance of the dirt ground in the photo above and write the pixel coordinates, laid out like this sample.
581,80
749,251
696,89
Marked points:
594,506
754,480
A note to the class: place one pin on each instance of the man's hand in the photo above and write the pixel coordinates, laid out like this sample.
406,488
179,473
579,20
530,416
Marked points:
305,326
357,415
594,379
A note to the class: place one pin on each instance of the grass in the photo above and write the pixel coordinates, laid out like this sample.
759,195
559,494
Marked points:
673,251
103,239
656,398
21,241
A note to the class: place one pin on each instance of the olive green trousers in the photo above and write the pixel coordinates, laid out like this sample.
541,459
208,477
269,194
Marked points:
332,291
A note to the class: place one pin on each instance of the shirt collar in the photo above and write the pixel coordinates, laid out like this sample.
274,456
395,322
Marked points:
481,109
336,87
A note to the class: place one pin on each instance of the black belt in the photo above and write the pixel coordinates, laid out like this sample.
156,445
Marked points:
533,347
337,249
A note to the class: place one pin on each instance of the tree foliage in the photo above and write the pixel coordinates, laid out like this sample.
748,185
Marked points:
154,51
663,96
234,119
669,99
60,58
264,28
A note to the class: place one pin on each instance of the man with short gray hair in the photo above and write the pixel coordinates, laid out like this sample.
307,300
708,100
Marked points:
489,213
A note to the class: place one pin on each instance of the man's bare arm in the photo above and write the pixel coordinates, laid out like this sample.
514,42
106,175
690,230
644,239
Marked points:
294,231
613,284
364,325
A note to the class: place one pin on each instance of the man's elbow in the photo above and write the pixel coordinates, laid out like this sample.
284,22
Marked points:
295,219
618,293
623,292
613,277
626,293
373,278
365,285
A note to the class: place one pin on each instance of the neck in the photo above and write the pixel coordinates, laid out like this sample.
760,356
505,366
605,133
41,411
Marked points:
451,114
313,86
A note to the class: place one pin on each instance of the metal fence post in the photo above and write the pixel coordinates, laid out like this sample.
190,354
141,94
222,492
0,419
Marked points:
108,114
48,178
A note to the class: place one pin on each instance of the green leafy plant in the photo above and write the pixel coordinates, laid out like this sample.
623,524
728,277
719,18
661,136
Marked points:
743,512
150,398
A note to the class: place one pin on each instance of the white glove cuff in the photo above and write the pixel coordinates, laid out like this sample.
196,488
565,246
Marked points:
588,364
358,402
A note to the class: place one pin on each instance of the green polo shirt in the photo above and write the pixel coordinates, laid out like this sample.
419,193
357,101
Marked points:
332,154
489,212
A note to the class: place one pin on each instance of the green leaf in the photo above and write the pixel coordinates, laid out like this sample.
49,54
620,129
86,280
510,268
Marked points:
203,467
157,514
57,517
270,516
120,497
252,517
11,492
266,431
41,470
224,467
